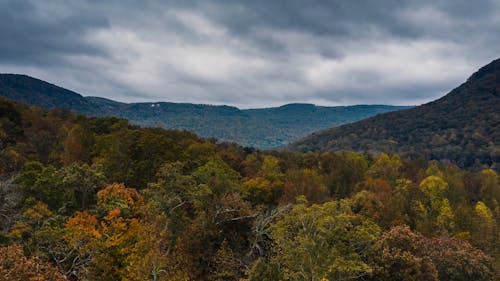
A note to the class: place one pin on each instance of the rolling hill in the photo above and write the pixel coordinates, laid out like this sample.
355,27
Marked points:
463,126
261,128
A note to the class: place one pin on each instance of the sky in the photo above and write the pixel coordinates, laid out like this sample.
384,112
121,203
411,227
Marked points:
258,53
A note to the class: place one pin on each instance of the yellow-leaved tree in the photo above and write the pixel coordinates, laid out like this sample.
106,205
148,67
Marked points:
118,242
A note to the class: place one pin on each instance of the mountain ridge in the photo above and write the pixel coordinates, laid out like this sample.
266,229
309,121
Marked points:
261,127
463,126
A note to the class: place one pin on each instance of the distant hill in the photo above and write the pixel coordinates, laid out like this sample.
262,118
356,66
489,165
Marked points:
463,126
25,89
261,128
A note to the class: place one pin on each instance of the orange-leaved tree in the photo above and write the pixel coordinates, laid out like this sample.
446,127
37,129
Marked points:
118,242
15,266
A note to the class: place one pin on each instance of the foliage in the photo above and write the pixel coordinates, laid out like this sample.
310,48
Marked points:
263,128
99,199
15,266
410,256
324,242
462,127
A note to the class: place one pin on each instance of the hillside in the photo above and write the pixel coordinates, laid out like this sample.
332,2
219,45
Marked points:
261,128
26,89
95,198
463,126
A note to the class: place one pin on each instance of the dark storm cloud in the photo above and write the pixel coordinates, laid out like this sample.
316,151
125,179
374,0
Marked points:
251,53
32,34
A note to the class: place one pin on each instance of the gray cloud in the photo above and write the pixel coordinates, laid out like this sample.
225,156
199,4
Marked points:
251,53
34,33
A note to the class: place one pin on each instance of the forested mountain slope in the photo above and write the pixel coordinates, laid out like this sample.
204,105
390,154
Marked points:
463,126
99,199
261,128
26,89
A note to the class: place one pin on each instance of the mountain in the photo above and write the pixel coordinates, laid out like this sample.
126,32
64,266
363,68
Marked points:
463,126
261,128
26,89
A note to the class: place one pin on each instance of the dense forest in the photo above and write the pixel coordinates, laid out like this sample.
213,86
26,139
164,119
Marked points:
462,127
262,128
99,199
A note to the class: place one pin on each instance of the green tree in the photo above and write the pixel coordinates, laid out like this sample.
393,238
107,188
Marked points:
342,172
486,234
39,183
490,187
268,184
436,209
324,242
172,195
81,183
386,167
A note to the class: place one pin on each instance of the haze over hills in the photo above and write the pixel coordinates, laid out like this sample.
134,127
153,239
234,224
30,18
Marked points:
261,128
463,126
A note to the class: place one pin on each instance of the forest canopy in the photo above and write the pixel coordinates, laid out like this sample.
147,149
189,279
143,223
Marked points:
99,199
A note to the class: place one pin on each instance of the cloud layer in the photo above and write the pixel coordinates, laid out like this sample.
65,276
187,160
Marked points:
251,53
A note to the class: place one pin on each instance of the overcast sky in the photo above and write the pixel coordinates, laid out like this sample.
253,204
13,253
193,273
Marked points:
251,53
